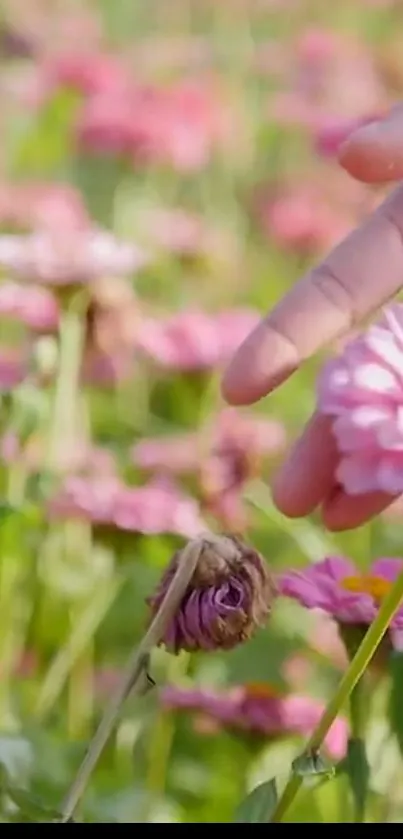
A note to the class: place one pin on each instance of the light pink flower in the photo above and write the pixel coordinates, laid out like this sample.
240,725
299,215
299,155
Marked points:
13,368
335,586
33,306
178,126
257,709
195,340
59,259
362,390
49,206
87,73
302,219
157,507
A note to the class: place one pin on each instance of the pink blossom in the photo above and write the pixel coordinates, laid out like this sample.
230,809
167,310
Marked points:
66,259
257,709
157,507
194,340
33,306
87,73
335,586
49,206
362,391
13,368
302,219
179,126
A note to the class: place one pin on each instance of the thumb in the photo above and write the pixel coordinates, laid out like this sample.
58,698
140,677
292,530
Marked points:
374,152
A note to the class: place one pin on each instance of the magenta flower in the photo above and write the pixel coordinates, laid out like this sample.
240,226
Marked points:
194,340
362,391
158,507
335,586
64,260
33,306
258,710
229,596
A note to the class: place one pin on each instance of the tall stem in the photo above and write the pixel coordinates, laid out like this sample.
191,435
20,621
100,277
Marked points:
353,674
133,680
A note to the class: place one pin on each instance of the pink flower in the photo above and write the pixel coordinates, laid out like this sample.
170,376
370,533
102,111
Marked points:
362,390
87,73
257,709
59,259
157,507
336,587
178,126
195,340
13,369
35,307
302,219
49,206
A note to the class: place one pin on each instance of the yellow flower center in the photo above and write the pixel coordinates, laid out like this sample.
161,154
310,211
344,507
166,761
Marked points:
376,587
260,690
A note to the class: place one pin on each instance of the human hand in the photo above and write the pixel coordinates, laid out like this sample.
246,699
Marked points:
357,277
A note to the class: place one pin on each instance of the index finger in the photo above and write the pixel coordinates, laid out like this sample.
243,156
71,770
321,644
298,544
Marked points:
360,274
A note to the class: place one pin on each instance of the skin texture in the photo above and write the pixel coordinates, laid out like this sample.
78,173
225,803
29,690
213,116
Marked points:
355,279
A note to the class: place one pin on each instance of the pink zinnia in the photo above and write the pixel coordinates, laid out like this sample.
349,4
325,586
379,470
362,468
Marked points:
33,306
335,586
362,391
60,260
13,369
195,340
258,710
158,507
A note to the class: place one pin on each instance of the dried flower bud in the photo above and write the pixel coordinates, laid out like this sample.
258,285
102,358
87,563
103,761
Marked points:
229,596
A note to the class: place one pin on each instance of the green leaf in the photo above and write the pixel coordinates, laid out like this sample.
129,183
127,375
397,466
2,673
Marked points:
395,698
312,764
259,805
358,771
31,808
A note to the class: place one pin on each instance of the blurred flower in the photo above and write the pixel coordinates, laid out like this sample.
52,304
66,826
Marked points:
33,306
301,218
179,126
87,73
362,390
336,587
13,368
112,317
49,206
195,340
259,710
224,456
81,459
64,260
231,594
158,507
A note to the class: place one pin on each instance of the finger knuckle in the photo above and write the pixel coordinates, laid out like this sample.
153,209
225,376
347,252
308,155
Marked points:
330,285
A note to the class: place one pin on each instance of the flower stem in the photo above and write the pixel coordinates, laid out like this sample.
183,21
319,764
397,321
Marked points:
353,674
133,680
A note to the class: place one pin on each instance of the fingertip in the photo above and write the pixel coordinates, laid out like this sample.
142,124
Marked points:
306,477
374,153
345,512
263,362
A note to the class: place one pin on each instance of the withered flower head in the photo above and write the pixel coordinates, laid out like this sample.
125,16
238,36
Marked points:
229,596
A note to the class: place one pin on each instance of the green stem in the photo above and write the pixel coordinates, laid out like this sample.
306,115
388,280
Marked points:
353,674
64,420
